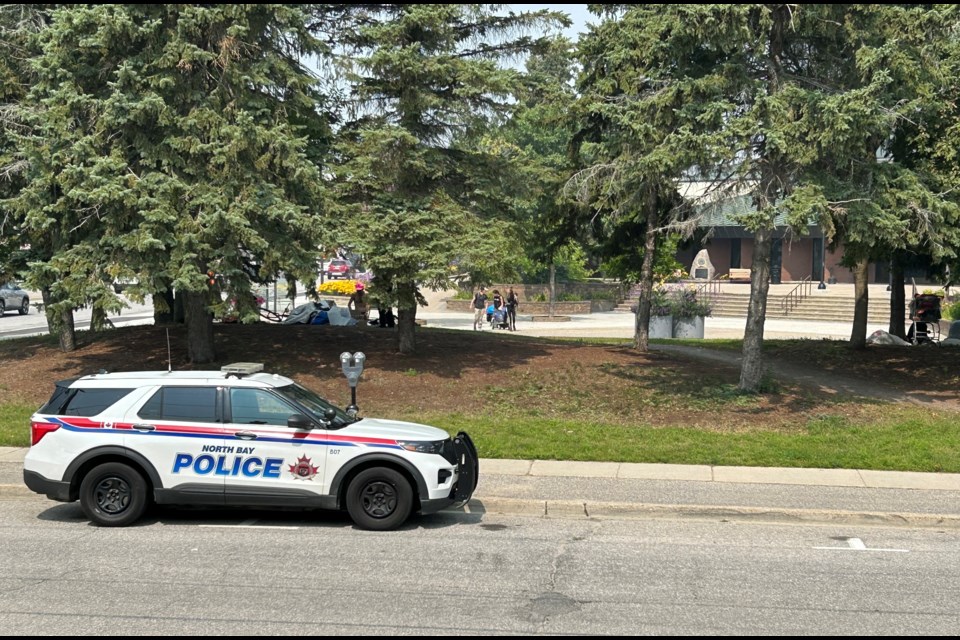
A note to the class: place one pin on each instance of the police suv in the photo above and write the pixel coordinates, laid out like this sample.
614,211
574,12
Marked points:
236,437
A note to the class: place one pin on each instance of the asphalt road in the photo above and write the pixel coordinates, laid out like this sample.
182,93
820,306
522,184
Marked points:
255,573
13,325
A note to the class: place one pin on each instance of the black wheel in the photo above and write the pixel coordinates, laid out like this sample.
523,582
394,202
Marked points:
379,499
24,306
2,307
113,495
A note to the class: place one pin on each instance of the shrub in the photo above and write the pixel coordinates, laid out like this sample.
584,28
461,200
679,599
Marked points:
952,311
685,303
660,304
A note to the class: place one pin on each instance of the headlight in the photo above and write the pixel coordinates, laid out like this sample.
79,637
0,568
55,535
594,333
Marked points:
423,446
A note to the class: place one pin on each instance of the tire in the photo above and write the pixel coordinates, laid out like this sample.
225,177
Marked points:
379,499
24,306
2,307
113,495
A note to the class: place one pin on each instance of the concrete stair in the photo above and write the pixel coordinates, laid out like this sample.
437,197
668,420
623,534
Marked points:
836,303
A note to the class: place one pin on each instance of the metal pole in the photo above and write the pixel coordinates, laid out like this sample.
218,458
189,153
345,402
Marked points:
823,264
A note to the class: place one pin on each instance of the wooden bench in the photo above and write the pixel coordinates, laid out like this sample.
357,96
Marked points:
739,275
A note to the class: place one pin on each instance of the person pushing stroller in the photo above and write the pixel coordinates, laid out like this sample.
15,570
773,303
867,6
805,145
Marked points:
497,312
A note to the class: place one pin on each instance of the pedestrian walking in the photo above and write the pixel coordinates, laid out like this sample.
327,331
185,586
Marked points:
479,308
358,305
512,303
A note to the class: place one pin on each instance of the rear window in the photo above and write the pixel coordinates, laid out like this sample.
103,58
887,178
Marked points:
59,398
88,402
190,404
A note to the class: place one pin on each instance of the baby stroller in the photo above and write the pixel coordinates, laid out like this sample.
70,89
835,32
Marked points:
924,319
497,317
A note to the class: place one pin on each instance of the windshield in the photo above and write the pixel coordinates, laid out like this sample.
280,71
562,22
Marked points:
314,404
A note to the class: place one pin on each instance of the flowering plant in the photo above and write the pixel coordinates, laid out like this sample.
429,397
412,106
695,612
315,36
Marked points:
338,287
685,304
660,302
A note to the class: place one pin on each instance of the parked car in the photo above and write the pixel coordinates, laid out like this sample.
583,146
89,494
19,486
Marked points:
122,284
118,442
338,268
13,297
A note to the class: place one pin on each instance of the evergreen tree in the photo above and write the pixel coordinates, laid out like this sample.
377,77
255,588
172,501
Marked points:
418,189
164,143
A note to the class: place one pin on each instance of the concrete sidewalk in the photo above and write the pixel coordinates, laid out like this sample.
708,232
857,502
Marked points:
545,488
613,324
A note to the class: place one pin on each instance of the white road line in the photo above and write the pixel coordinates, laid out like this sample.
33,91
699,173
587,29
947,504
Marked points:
246,526
856,544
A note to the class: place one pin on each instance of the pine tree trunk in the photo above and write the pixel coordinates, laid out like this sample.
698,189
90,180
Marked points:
199,327
179,308
752,368
59,323
406,318
858,335
67,333
553,286
641,335
163,307
898,301
48,311
291,291
773,178
98,319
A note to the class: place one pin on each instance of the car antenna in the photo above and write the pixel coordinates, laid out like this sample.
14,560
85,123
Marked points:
169,359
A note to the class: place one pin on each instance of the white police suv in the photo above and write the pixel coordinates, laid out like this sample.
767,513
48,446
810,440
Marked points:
236,437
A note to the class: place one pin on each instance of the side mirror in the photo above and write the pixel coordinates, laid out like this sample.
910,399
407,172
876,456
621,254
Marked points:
299,421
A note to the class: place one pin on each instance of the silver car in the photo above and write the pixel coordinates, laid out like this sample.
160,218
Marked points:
13,297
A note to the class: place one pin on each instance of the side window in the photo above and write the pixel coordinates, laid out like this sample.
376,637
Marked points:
153,409
255,406
90,402
190,404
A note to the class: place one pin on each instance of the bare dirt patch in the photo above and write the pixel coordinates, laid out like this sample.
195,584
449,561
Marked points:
470,373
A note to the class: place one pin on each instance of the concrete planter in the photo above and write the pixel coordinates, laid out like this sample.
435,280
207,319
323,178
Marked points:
661,327
688,328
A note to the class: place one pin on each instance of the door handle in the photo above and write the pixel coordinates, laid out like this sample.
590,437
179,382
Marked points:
144,427
245,435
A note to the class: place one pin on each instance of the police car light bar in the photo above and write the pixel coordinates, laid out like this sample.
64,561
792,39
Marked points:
242,368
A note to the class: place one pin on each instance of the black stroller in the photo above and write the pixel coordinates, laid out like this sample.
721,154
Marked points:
924,319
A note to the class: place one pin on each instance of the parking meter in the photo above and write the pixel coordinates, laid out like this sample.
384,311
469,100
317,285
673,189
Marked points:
352,365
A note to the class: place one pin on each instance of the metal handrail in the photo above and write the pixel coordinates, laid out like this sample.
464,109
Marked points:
790,301
709,290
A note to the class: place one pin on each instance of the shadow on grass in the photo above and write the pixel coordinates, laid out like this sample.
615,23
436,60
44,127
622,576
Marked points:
296,350
712,385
